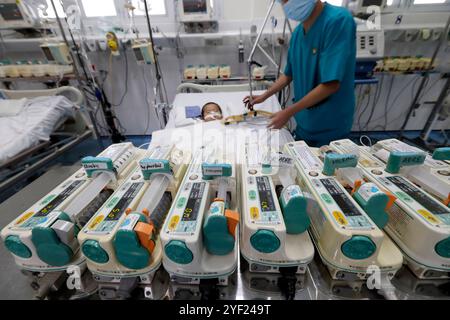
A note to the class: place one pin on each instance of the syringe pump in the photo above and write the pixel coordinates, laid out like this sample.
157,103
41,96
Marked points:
200,235
43,238
347,239
418,223
274,235
121,242
433,176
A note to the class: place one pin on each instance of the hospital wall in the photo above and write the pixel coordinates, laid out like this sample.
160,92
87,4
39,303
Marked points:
137,118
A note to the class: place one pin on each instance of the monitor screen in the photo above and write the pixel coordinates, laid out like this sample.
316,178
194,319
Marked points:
195,6
48,54
367,3
10,12
138,54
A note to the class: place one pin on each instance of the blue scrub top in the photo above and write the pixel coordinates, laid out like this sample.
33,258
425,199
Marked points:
327,52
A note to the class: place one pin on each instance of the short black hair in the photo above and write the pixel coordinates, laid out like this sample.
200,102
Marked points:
203,108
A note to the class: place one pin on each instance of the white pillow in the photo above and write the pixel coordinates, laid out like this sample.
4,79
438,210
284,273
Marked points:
11,107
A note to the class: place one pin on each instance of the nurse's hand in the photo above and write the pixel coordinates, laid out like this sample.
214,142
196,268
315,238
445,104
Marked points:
279,119
256,100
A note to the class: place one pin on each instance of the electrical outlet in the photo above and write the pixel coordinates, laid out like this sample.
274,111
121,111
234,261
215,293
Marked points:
425,34
436,34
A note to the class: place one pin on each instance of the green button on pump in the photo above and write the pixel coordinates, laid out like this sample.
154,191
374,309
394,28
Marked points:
442,154
93,251
265,241
443,248
181,202
178,252
358,248
129,251
216,237
17,247
49,248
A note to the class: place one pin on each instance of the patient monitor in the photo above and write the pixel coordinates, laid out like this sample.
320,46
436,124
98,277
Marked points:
195,10
197,16
16,14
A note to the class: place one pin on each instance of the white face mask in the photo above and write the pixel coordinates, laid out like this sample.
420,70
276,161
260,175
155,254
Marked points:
213,115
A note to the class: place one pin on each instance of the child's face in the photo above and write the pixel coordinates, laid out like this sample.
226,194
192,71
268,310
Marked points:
212,112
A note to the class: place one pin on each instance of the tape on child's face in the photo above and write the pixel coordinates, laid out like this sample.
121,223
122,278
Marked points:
213,115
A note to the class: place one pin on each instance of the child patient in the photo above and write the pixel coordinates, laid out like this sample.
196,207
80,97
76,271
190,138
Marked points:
211,111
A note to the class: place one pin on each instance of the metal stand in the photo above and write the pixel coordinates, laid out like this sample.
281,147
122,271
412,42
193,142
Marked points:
250,60
425,134
116,136
437,109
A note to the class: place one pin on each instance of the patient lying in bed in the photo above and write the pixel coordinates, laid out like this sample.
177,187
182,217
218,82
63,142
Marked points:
211,111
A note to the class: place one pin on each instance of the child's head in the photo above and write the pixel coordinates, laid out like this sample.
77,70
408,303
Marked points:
211,111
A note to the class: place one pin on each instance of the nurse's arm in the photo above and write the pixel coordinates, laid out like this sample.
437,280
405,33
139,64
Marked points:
314,97
282,82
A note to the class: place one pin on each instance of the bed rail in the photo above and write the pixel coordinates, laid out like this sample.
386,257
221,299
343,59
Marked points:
71,93
193,87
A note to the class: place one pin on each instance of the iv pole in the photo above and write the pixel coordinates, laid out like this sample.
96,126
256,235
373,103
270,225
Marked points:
250,60
100,95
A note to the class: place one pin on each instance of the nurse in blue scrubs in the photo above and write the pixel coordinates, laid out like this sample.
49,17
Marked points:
321,63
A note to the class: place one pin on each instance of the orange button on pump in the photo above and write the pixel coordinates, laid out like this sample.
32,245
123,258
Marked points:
232,221
146,212
391,201
447,201
145,234
358,184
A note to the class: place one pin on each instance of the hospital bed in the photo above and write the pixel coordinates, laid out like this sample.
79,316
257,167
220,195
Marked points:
180,124
47,123
229,97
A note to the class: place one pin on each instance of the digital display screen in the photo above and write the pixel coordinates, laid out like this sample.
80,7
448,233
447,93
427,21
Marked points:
195,6
138,54
193,204
367,3
59,199
48,54
10,12
123,203
341,199
418,196
265,194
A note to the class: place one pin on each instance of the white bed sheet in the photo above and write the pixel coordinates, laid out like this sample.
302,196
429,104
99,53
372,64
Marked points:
229,137
32,125
230,102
